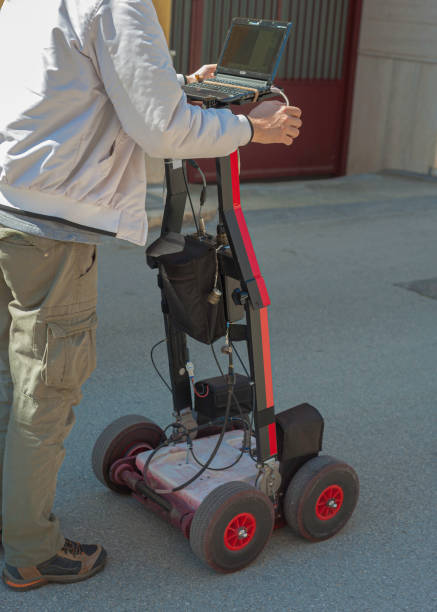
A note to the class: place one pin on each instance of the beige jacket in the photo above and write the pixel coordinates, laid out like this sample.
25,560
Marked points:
87,87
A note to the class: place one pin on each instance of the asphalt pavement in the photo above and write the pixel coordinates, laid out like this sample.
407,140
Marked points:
351,334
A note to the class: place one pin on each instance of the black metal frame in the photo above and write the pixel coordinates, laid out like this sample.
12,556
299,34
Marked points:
177,349
241,266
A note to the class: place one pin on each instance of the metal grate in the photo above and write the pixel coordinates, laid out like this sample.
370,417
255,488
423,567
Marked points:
316,46
217,18
315,49
180,34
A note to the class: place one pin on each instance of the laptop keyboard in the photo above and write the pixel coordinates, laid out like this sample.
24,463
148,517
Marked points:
219,88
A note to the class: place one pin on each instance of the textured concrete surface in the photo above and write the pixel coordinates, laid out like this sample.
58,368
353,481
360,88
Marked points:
346,338
397,58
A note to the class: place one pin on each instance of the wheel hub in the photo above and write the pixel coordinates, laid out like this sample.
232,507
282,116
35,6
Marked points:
240,531
329,502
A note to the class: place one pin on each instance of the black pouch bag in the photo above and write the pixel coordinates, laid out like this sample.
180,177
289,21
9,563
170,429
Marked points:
187,280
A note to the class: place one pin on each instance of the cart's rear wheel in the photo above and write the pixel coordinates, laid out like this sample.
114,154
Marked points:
320,498
125,437
231,526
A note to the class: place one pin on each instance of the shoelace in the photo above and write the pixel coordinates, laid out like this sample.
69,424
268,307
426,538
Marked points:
72,548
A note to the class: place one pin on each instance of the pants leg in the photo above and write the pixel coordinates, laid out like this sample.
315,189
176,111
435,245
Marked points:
51,354
5,374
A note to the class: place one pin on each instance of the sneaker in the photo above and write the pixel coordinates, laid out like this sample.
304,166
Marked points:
74,562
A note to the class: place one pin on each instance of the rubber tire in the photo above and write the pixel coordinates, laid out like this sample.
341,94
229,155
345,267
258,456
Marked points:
215,513
307,484
116,438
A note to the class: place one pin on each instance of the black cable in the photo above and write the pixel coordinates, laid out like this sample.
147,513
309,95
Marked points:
222,373
155,366
195,165
218,365
238,403
251,424
227,467
187,432
224,376
240,360
221,469
213,423
253,403
189,197
162,445
210,459
217,361
236,400
216,448
205,466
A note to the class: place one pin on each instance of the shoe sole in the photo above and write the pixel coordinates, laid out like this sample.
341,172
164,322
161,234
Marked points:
26,585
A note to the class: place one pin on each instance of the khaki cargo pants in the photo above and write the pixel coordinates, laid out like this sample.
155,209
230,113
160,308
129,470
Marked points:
48,296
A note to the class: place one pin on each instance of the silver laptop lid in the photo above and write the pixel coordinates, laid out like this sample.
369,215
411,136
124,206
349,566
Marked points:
253,48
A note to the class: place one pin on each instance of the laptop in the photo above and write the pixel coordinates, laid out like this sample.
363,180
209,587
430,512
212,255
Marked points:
247,64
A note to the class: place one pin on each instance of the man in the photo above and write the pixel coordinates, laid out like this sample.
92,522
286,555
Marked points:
87,87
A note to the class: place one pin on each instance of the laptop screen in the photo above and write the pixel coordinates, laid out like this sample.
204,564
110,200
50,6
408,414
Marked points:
252,48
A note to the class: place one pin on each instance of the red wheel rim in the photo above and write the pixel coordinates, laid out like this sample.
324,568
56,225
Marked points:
329,502
240,531
136,449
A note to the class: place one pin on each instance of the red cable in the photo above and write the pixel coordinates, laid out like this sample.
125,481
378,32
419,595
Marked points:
198,394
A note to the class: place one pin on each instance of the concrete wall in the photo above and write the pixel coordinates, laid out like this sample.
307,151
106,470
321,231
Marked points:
394,119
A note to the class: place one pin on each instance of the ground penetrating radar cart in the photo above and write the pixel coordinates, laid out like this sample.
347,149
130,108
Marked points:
227,470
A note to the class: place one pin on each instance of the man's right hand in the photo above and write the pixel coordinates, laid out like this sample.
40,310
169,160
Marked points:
274,122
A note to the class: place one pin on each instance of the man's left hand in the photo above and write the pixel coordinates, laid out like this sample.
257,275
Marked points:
203,74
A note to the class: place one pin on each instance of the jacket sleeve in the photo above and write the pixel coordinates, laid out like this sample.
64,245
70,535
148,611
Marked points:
134,64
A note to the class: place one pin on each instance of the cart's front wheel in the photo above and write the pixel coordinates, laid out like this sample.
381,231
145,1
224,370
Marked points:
320,498
231,526
125,437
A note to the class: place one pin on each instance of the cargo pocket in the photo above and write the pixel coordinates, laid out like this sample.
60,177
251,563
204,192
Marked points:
70,352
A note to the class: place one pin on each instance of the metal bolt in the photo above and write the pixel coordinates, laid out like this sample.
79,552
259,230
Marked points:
331,503
242,533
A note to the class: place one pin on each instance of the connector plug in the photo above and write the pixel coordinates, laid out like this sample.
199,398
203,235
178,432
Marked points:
280,92
189,366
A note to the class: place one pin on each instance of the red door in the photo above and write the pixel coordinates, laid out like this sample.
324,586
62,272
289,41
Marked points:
317,73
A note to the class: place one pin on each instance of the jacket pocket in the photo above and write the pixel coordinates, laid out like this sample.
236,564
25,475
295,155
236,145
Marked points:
99,181
70,352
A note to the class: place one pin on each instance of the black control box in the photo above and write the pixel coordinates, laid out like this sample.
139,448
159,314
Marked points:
214,392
